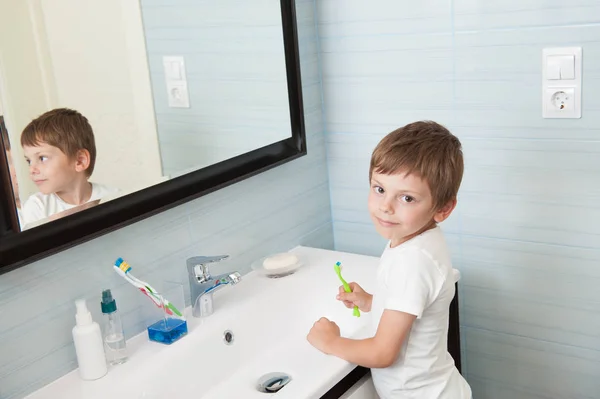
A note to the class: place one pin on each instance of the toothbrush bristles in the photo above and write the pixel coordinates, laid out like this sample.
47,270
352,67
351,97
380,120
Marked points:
125,267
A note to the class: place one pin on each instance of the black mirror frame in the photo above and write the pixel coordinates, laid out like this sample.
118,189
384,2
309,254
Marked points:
20,248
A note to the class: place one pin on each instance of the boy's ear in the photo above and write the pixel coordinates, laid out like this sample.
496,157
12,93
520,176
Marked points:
445,211
82,160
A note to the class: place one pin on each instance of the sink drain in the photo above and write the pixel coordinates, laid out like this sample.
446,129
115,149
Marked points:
228,337
273,382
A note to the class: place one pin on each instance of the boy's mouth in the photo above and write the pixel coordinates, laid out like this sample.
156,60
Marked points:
38,182
385,223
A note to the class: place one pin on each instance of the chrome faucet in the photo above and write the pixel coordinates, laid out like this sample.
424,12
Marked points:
203,285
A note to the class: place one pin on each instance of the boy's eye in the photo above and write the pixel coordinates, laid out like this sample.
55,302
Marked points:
379,190
407,198
43,158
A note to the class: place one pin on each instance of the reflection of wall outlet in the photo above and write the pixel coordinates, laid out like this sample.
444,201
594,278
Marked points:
560,102
177,93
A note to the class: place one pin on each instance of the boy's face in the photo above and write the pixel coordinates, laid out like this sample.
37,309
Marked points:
50,169
401,206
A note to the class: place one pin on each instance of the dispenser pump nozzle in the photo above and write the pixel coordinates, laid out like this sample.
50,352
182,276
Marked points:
108,304
83,316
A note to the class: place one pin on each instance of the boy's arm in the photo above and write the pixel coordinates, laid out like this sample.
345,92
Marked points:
378,352
414,288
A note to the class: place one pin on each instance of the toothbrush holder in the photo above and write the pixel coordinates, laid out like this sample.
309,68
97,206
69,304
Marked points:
162,323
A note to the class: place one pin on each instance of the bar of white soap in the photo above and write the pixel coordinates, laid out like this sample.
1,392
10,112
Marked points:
280,261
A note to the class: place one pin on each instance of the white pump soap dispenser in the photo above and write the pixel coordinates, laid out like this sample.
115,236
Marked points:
88,344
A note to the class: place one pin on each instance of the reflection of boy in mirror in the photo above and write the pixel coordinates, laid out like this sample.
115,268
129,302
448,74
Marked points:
60,149
11,166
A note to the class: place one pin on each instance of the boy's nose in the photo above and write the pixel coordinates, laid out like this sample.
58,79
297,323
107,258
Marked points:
33,170
385,206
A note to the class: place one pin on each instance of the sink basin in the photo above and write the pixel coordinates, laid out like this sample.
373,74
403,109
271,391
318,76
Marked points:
267,320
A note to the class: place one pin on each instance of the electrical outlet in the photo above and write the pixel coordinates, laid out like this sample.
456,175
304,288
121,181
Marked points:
561,102
177,93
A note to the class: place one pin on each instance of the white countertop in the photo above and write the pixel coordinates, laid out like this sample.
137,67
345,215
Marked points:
269,318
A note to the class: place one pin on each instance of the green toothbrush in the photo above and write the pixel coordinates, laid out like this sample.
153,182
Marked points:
338,271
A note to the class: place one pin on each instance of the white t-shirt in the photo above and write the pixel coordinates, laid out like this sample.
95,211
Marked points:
41,206
416,277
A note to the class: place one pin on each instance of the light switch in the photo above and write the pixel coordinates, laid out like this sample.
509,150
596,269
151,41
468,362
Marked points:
561,67
567,66
174,71
553,68
174,68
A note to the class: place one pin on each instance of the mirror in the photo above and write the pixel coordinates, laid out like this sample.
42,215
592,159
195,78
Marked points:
153,90
112,111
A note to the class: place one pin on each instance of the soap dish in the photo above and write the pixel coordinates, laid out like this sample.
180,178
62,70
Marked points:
277,271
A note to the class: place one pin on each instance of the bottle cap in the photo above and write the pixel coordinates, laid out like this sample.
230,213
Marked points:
83,317
108,304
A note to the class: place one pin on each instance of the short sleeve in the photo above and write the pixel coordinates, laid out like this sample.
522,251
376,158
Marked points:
33,210
102,192
413,281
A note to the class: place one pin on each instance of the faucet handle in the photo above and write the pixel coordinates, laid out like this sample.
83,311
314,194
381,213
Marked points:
198,265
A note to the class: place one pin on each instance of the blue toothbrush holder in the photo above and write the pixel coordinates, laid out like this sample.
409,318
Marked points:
163,324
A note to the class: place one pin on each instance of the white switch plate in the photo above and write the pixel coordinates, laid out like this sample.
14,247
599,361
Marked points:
177,91
561,82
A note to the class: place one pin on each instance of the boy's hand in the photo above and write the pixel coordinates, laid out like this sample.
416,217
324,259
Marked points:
322,334
358,297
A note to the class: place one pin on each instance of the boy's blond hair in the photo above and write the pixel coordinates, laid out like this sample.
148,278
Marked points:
65,129
425,149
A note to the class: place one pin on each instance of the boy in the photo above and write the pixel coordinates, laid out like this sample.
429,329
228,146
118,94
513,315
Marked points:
415,175
60,149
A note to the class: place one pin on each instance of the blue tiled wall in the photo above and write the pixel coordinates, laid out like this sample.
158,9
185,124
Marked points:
274,211
526,232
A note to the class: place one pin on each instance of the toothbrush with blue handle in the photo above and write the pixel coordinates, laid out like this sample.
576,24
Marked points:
347,288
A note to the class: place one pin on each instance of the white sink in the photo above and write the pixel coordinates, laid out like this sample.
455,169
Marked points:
269,319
